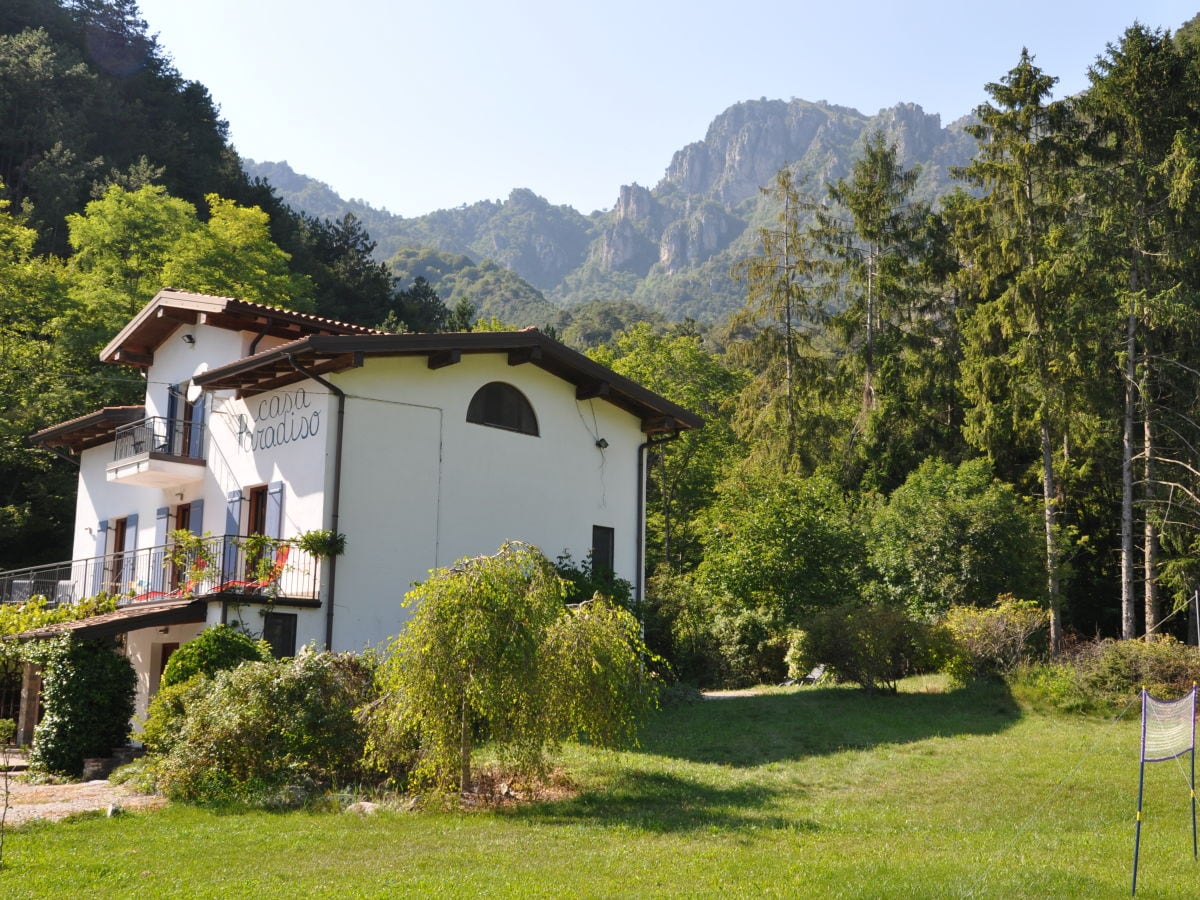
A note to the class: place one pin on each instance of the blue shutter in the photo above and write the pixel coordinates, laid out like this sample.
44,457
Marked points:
97,584
158,555
129,568
274,523
196,438
233,525
197,520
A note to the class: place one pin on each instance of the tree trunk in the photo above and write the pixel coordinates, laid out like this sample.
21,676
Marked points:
1050,516
1150,546
1128,601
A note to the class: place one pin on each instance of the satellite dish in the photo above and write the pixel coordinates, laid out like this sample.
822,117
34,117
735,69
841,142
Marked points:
194,390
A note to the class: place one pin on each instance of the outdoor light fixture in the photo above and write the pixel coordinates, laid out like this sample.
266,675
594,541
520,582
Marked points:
189,339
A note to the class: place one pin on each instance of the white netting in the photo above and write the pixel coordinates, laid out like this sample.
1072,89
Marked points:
1168,726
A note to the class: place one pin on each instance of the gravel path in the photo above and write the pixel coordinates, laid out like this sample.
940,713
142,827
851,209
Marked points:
57,801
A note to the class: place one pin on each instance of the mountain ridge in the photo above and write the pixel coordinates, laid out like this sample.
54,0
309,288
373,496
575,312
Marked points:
668,247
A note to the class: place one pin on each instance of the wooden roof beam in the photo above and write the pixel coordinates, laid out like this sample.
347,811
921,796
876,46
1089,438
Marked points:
444,358
593,389
522,355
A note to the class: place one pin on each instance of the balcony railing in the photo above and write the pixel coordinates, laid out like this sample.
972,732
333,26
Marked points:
226,566
170,437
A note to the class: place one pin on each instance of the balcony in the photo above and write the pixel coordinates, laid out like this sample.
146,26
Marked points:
220,568
158,452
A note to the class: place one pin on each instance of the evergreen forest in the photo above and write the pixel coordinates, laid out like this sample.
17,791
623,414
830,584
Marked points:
922,402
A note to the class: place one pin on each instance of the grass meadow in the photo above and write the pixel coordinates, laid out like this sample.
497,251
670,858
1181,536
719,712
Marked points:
796,792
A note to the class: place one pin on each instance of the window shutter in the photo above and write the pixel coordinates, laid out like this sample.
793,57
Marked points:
158,557
233,525
129,567
97,584
196,438
197,520
275,509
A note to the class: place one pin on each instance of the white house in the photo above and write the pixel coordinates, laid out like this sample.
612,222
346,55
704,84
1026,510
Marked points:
420,448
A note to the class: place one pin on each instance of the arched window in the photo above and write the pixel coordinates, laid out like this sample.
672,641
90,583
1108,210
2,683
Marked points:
501,405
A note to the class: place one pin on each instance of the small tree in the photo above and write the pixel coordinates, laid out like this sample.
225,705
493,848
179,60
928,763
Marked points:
492,649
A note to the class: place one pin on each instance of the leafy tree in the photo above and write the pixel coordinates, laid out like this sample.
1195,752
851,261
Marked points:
232,255
954,536
789,546
684,472
492,649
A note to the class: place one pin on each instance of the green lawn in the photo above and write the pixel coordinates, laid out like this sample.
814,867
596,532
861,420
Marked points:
806,792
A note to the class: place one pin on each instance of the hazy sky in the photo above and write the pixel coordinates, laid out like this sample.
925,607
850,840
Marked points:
429,105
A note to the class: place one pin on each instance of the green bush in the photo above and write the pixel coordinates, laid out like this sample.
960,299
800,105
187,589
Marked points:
267,733
1107,676
679,628
986,642
87,690
214,649
872,645
752,644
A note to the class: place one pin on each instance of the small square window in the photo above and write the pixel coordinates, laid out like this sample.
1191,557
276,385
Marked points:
279,630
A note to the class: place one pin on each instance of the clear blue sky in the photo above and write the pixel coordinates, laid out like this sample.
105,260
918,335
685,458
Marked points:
427,105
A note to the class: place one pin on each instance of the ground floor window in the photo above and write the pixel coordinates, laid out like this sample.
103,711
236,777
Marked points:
279,630
603,550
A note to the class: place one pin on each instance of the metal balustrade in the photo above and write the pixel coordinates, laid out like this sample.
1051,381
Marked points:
225,565
171,437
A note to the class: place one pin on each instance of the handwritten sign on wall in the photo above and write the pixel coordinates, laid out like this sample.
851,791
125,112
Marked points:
284,417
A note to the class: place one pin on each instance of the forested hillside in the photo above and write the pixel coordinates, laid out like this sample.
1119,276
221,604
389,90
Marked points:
937,366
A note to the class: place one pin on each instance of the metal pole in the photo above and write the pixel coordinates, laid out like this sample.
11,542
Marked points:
1137,834
1193,773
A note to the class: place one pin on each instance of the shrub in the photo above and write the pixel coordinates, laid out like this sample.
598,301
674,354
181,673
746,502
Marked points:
752,644
1107,676
88,690
585,580
679,628
872,645
992,641
214,649
266,733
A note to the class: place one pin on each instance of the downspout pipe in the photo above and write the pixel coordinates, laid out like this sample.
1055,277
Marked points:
639,589
336,490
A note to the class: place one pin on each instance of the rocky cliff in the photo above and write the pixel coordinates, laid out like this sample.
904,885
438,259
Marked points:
668,247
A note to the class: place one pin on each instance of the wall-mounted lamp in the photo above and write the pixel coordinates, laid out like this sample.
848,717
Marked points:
602,444
189,338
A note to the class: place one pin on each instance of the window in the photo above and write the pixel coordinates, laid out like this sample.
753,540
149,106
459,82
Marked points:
603,550
279,630
500,405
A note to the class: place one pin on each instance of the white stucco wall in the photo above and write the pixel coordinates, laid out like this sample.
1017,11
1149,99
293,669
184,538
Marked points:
422,487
